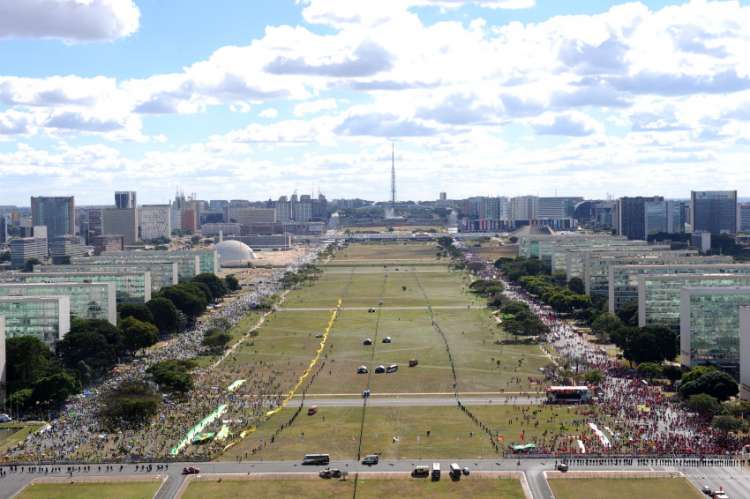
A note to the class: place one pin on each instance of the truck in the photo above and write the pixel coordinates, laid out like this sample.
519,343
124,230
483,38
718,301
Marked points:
435,475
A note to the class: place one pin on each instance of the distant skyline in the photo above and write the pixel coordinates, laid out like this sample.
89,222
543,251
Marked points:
236,99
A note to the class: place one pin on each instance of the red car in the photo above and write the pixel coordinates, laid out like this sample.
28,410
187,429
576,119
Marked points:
190,470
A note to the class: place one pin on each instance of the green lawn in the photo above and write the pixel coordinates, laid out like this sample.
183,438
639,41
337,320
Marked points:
366,488
335,431
292,488
125,490
475,488
623,488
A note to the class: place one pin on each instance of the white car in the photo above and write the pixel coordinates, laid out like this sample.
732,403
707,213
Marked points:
4,418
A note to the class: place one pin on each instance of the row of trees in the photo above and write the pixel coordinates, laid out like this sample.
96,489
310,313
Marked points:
303,275
38,379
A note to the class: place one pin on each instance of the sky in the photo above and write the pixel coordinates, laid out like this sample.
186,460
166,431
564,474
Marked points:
238,99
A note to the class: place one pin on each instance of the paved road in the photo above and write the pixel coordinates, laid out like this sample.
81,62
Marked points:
415,401
385,309
735,480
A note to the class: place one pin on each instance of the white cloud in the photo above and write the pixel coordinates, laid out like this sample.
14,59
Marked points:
571,124
269,113
69,20
316,106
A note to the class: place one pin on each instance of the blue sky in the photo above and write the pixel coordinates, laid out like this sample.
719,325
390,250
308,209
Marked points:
238,99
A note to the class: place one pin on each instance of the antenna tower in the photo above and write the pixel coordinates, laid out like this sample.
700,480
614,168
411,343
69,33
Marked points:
393,175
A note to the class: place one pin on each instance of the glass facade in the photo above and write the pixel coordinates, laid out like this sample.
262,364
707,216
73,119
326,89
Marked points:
129,287
87,300
163,273
191,263
659,296
710,325
575,259
623,279
44,317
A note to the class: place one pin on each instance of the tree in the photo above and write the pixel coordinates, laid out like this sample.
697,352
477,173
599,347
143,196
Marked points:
650,344
594,376
726,424
138,311
129,405
650,370
216,339
187,300
164,314
577,286
671,372
53,390
605,326
96,343
28,359
28,265
215,285
718,384
738,408
703,404
628,313
231,283
696,373
173,375
138,334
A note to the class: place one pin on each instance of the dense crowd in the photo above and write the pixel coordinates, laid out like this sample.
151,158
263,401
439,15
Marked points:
630,415
78,433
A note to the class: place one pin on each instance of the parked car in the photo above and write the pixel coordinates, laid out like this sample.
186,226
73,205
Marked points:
413,362
420,472
562,467
362,370
466,471
387,339
392,368
380,369
367,342
371,310
371,460
312,410
707,490
330,473
4,418
190,470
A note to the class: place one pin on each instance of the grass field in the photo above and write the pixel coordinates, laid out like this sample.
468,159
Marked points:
286,342
335,431
125,490
366,488
623,488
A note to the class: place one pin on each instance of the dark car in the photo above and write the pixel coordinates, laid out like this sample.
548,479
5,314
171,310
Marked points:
371,460
190,470
362,370
367,341
387,339
380,369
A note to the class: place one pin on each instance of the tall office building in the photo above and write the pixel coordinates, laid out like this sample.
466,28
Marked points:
156,221
57,213
714,211
123,222
630,216
3,229
743,217
26,248
656,215
523,209
125,200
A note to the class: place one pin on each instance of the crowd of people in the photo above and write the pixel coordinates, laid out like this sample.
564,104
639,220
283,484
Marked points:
78,433
631,416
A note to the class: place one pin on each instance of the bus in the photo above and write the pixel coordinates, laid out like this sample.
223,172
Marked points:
568,395
316,459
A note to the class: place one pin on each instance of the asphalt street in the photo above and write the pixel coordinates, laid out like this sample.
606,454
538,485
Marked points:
407,401
733,479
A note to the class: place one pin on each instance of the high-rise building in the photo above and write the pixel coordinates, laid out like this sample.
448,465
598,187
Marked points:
155,221
121,221
44,317
3,229
630,216
523,209
125,200
443,196
743,217
57,213
714,211
677,216
655,213
25,248
62,248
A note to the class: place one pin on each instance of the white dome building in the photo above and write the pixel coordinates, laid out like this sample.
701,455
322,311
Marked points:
234,254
